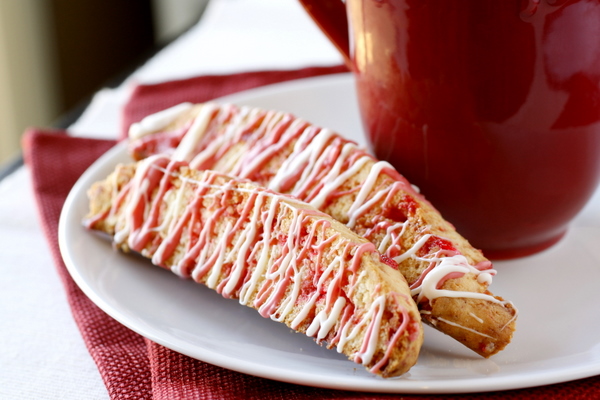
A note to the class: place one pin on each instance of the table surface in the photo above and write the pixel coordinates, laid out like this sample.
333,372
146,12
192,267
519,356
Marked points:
42,353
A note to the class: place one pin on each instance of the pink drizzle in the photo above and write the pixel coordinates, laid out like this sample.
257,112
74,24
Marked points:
213,223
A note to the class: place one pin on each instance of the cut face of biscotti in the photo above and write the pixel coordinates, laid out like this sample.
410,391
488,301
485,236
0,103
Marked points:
291,262
448,278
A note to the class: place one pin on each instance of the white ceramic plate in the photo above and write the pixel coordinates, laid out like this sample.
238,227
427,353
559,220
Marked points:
556,291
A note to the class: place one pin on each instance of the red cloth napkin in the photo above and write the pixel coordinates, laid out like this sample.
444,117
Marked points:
134,367
148,99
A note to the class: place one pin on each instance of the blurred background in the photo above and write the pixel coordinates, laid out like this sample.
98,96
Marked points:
54,54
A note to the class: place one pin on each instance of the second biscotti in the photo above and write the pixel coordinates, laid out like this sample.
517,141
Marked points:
449,279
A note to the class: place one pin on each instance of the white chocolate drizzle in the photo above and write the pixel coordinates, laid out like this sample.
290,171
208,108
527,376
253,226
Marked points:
267,250
185,150
157,121
464,327
317,166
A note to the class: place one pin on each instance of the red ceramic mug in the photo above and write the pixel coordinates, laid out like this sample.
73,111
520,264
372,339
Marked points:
491,107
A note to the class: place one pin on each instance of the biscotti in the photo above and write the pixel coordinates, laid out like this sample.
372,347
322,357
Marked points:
291,262
448,278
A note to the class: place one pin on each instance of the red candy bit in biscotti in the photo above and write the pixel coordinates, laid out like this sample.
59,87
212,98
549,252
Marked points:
395,214
282,239
307,289
409,205
388,261
435,244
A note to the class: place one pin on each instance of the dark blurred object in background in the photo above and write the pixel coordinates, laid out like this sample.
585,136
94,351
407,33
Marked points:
96,40
55,54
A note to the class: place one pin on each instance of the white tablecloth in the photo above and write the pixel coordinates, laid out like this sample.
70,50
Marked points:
42,355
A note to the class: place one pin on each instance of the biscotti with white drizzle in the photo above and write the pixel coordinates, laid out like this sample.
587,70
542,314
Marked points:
291,262
449,279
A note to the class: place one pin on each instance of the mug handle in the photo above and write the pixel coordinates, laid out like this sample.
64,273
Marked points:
330,16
